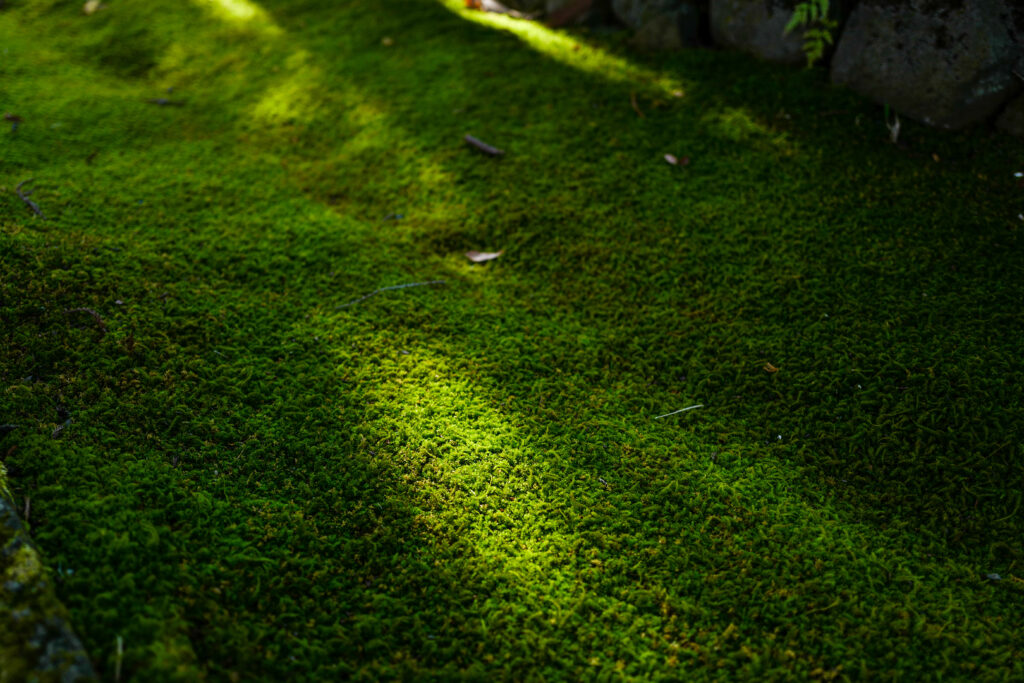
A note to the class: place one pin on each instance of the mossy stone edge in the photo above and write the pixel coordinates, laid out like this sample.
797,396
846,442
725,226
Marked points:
37,642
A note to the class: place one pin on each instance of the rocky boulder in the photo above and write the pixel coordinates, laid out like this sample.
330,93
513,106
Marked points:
660,24
1012,119
561,13
758,28
947,63
36,640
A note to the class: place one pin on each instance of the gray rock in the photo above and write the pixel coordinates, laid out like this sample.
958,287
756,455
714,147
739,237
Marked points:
37,642
947,63
597,13
1012,119
660,24
552,6
758,28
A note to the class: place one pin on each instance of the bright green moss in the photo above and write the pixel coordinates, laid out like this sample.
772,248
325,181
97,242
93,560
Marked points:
467,479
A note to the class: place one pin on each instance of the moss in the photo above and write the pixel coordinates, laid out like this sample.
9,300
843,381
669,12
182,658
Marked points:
467,480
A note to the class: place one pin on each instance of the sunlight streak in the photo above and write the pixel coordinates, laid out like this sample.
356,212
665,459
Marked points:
569,50
242,13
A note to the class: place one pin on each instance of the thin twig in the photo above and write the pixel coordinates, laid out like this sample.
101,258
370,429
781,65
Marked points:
117,662
25,198
636,107
681,410
94,314
483,146
385,289
28,508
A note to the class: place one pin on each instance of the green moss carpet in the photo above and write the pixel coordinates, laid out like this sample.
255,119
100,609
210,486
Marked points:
245,479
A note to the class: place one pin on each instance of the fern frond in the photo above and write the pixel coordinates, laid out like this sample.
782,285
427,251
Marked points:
796,21
813,16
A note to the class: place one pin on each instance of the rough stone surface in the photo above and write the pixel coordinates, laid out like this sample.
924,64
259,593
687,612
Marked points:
758,28
1012,119
660,24
598,13
36,640
524,6
947,63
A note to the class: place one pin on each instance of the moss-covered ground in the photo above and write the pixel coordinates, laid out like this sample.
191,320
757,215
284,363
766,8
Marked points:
245,481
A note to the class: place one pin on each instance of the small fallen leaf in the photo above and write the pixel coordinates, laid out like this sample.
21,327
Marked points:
387,42
768,367
92,6
935,157
677,93
671,159
481,256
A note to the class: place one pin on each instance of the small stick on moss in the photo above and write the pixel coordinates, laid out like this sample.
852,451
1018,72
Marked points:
94,314
120,657
385,289
636,107
164,102
483,146
681,410
25,198
28,508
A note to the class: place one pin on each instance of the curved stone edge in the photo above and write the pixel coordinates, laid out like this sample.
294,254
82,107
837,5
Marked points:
1012,119
37,642
757,27
948,69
